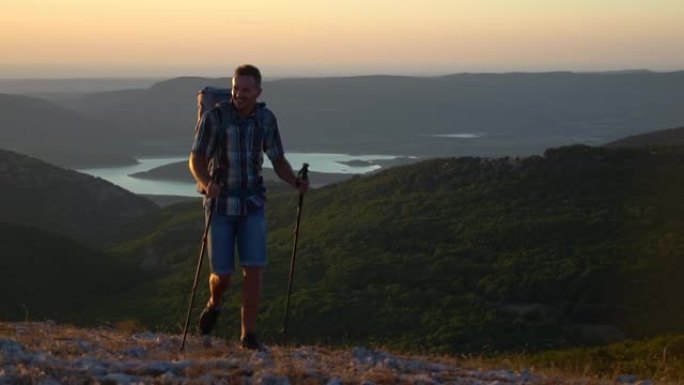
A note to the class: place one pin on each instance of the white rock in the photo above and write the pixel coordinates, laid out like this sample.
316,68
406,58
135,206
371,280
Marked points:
219,363
40,359
11,350
334,381
145,336
263,359
363,355
373,357
49,381
410,366
184,364
493,375
269,379
120,378
168,377
8,380
527,376
437,367
137,352
627,378
84,346
207,379
156,368
305,354
91,365
421,379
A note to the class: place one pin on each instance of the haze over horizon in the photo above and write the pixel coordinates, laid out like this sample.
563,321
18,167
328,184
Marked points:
80,39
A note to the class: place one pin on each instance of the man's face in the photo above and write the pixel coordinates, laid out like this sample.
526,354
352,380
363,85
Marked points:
245,92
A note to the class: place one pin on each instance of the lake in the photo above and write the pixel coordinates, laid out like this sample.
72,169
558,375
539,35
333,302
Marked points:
319,162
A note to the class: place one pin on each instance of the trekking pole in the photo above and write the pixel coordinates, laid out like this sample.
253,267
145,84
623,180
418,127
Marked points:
304,174
207,224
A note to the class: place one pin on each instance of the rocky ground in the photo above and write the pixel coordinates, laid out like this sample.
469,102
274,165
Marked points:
48,354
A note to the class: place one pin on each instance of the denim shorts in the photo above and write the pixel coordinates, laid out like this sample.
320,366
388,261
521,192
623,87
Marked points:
247,232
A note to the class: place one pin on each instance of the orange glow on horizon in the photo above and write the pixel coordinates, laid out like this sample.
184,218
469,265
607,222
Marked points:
143,37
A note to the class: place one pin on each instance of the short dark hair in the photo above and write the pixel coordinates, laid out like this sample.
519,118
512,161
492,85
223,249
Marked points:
249,70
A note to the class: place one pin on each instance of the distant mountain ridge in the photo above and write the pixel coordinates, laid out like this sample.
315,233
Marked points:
511,113
661,138
56,134
71,85
62,201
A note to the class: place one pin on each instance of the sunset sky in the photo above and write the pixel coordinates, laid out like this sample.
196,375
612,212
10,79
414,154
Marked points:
125,38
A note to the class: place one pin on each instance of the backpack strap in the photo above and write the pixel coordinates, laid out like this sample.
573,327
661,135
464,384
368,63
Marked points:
220,157
261,115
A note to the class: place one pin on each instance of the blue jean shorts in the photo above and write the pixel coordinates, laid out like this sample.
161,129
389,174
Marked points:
247,232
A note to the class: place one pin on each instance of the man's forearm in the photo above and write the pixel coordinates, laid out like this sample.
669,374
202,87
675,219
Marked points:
284,171
198,169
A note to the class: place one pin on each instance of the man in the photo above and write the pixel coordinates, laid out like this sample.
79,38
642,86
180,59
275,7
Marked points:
230,141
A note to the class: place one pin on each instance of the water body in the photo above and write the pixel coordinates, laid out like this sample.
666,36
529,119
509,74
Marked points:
461,135
319,162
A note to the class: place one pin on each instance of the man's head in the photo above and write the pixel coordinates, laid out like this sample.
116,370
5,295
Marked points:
246,87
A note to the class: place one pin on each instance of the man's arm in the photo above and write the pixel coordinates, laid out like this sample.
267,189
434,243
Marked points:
198,168
284,171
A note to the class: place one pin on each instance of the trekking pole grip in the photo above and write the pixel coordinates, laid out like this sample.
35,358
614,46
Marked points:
303,173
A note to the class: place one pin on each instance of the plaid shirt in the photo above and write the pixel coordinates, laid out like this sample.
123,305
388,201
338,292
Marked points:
245,143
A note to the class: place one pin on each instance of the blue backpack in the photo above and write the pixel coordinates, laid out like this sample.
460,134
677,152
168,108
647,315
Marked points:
209,97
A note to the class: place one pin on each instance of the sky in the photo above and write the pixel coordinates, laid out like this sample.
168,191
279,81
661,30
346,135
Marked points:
154,38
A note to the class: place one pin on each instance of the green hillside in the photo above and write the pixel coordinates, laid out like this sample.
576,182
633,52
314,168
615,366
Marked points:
79,206
581,246
47,276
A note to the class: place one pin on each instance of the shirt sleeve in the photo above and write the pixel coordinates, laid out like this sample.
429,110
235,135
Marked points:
204,142
273,146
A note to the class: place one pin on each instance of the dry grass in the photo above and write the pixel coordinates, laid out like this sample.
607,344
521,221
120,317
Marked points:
125,350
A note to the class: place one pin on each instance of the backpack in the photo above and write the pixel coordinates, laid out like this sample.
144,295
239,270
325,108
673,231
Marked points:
209,97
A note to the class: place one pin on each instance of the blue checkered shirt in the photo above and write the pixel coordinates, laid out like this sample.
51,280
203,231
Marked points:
245,143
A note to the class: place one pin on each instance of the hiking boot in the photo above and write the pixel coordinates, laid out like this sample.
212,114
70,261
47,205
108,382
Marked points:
206,341
249,342
208,319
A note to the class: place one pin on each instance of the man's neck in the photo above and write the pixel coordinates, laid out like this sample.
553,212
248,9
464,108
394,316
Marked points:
245,112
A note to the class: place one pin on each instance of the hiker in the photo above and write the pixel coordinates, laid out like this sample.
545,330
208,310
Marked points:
249,130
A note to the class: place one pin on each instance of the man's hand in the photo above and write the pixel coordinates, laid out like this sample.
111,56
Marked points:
302,185
283,169
198,168
212,189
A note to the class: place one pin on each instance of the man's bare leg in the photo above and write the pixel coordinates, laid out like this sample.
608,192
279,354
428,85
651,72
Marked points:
218,284
251,293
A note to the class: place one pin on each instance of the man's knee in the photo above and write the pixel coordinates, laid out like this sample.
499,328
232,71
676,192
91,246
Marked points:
219,279
252,271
